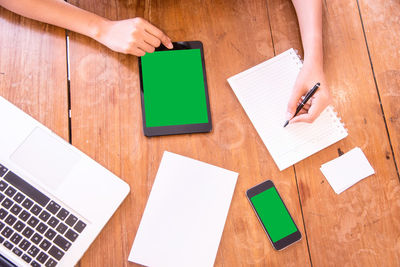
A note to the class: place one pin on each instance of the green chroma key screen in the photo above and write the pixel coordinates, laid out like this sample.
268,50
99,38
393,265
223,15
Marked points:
173,88
273,214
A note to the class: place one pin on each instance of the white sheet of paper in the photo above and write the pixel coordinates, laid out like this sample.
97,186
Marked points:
346,170
264,91
185,214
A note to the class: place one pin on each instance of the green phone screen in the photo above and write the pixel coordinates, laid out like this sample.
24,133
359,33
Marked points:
173,88
273,214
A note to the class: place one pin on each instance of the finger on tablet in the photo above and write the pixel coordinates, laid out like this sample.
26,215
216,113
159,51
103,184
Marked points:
136,52
151,39
165,40
146,47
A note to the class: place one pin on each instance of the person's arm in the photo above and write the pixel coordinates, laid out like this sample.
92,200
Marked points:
132,36
309,14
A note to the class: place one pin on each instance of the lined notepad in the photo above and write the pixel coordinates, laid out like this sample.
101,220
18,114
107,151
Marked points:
264,92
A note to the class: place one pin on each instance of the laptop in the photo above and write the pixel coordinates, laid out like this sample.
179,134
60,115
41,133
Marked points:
54,200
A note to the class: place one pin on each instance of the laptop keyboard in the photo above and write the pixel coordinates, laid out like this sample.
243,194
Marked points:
33,226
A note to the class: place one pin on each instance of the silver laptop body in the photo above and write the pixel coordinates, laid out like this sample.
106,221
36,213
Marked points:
54,200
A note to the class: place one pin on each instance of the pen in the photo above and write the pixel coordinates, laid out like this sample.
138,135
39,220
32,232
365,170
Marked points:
304,101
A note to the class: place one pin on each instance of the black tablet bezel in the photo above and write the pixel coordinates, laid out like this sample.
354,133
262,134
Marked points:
178,129
287,240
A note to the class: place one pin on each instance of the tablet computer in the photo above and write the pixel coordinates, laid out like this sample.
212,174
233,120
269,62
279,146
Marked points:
174,92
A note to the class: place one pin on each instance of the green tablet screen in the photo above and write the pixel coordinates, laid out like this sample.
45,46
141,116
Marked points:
173,88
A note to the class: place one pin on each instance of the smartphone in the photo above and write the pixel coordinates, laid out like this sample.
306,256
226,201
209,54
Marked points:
273,215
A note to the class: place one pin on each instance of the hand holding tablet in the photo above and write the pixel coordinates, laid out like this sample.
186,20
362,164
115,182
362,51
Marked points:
174,92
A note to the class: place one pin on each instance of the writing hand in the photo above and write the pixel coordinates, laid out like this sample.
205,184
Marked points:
306,79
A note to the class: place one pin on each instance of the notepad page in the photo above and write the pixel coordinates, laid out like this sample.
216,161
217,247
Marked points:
264,92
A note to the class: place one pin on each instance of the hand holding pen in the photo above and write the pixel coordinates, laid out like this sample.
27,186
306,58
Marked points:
304,101
309,75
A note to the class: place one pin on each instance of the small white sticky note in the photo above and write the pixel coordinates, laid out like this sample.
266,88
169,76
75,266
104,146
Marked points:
347,170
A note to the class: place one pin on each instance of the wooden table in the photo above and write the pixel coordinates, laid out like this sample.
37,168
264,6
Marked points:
360,227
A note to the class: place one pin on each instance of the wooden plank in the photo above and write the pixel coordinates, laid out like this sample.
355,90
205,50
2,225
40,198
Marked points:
243,240
33,70
106,123
359,227
382,29
230,47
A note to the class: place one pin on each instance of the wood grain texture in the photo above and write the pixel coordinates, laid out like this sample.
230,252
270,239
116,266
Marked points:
382,28
359,227
107,125
231,47
33,70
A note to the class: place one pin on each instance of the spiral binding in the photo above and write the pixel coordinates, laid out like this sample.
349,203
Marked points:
296,57
338,120
330,109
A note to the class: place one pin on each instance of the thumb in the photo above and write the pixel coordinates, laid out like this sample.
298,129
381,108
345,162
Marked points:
316,108
302,118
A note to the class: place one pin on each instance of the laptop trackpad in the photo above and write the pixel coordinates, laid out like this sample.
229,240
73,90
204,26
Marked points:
46,157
